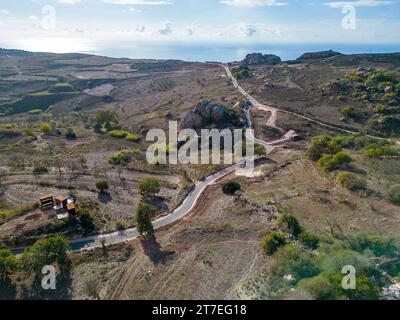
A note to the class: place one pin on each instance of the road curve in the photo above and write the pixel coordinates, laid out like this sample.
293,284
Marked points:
187,205
257,104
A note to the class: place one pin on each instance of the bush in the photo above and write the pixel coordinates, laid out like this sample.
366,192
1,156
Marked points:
102,185
394,195
379,246
121,134
319,288
351,181
366,289
46,129
341,158
289,223
8,264
149,186
133,137
70,134
40,170
291,259
123,156
309,240
380,151
331,163
272,242
259,150
231,187
121,225
348,112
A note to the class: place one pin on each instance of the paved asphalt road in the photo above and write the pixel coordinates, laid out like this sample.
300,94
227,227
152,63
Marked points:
186,206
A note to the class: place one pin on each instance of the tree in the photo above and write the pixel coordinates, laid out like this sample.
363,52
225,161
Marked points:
46,129
290,224
102,185
8,264
272,242
144,213
53,250
259,150
231,187
149,186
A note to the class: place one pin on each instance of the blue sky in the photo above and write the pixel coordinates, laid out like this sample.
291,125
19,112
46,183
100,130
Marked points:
93,25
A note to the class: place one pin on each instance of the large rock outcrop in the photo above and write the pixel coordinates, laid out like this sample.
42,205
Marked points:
319,55
210,114
259,58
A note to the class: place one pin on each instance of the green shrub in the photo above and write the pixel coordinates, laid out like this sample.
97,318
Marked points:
348,112
118,133
133,137
351,181
319,288
123,156
231,187
149,186
291,259
70,134
378,245
341,158
331,163
309,240
289,223
40,170
394,194
366,288
46,129
272,242
102,185
8,264
380,151
121,225
259,149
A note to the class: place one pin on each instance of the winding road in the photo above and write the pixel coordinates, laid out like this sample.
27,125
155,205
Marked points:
274,111
190,201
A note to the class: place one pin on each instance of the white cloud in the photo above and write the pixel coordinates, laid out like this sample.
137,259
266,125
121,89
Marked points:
139,2
166,29
247,30
191,30
134,10
140,28
253,3
69,1
358,3
4,11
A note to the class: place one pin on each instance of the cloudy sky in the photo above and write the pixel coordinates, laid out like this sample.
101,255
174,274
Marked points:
92,25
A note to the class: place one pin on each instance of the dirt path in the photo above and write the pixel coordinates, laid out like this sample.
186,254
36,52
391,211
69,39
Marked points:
257,104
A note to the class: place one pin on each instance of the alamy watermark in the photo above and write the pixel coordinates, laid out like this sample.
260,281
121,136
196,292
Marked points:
211,146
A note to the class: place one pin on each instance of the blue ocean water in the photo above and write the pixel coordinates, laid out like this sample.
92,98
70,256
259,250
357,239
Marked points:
226,52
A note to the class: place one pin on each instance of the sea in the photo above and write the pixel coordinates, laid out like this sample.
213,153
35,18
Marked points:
227,52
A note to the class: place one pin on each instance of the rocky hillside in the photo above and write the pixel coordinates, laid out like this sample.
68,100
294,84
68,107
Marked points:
318,55
210,114
259,58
